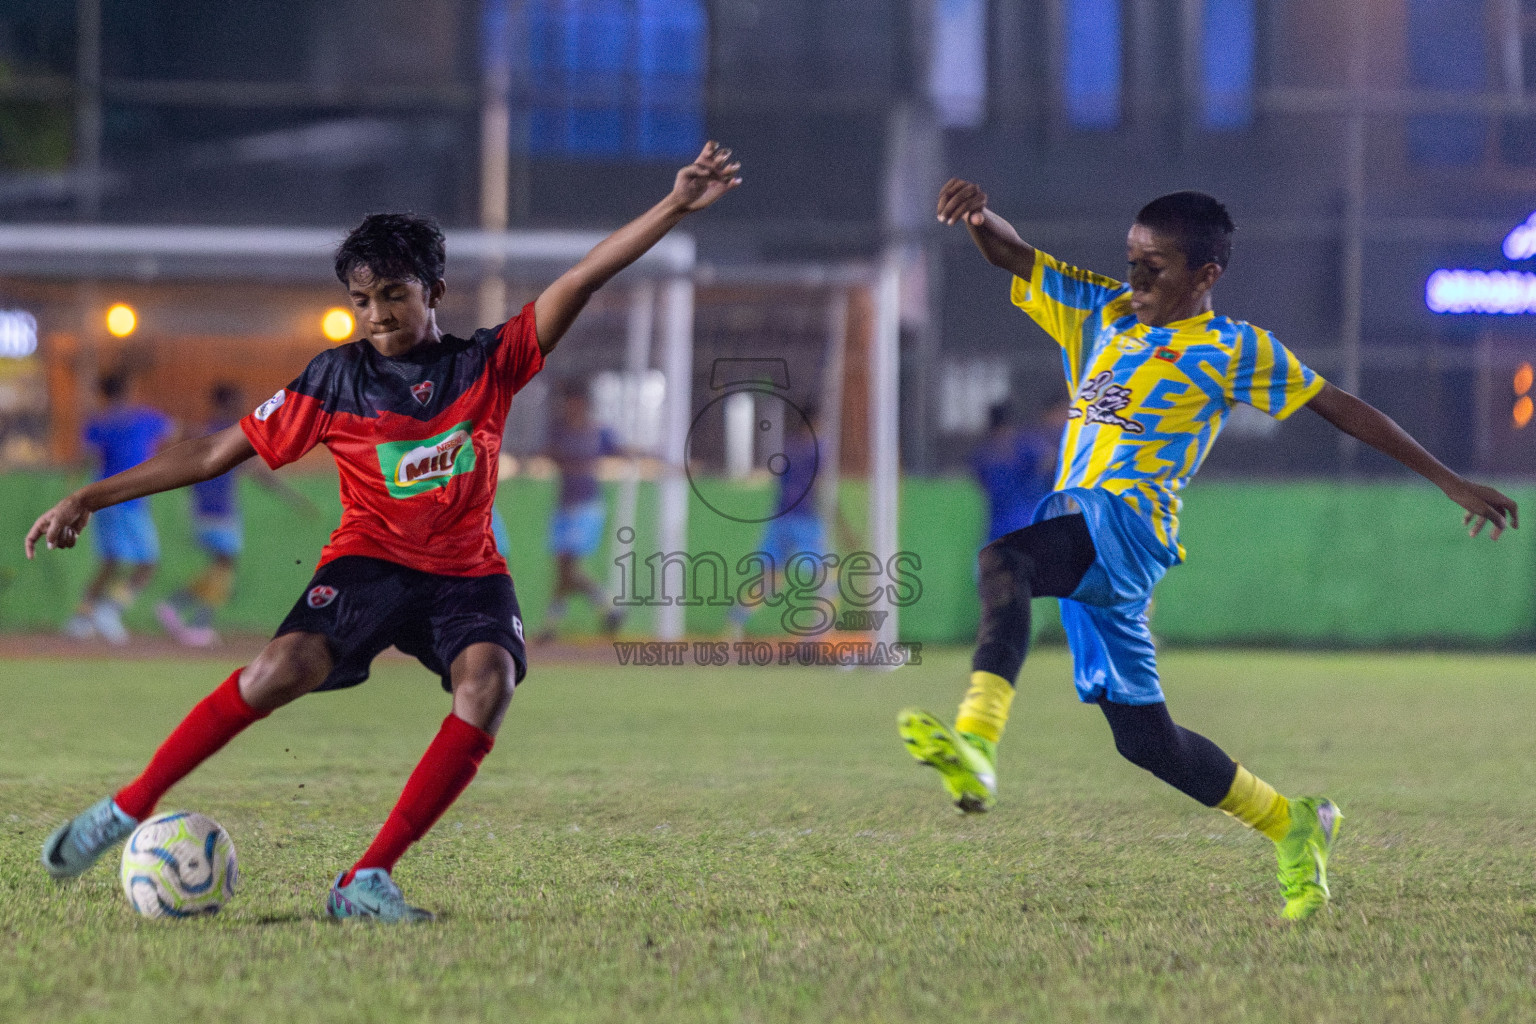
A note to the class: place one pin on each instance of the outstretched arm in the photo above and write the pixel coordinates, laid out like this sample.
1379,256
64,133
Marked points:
965,202
1364,421
192,461
697,186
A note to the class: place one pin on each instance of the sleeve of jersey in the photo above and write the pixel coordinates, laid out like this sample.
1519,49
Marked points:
285,426
518,356
1062,299
1270,378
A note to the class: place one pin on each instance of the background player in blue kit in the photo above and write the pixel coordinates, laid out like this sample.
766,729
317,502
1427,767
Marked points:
576,529
124,434
1013,465
219,529
797,524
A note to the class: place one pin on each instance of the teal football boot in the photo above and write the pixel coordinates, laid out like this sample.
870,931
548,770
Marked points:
75,845
371,896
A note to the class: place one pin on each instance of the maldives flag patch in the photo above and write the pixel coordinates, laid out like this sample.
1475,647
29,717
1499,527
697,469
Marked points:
422,391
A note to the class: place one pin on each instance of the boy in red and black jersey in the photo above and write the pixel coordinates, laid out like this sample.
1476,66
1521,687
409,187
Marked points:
414,421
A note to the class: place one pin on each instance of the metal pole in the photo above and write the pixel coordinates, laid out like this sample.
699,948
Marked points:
88,109
637,359
495,148
884,428
677,364
1352,242
1512,46
830,430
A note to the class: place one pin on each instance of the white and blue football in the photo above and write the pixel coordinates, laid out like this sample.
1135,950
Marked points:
179,865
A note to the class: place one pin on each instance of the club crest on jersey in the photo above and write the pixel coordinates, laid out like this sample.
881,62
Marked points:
422,392
414,467
321,596
270,406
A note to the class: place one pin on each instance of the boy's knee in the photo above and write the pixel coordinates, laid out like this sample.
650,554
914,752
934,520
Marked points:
483,676
287,668
1003,571
1142,749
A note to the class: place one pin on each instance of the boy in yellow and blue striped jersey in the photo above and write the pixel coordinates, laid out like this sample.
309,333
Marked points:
1153,372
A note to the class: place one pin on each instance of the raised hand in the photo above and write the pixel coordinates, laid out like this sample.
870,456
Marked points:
1484,505
60,526
708,178
961,200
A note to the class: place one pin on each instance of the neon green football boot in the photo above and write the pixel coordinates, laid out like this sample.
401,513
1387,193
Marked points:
967,764
1303,855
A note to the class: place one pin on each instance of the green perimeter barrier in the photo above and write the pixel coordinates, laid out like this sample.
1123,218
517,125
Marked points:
1310,563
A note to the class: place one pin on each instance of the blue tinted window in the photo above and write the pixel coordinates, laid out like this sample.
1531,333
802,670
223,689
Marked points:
1447,52
1092,65
615,78
1228,44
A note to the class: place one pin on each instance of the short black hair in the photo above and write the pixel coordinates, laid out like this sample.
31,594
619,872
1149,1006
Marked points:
1197,222
394,247
113,385
1001,414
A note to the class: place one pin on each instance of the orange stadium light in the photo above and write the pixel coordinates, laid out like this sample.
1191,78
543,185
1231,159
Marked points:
337,325
121,320
1525,376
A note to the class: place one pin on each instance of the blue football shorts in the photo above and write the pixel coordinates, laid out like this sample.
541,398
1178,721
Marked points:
577,529
792,534
1106,617
221,536
126,533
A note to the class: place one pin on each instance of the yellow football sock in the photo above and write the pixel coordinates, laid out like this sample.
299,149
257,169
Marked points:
1255,803
213,586
984,711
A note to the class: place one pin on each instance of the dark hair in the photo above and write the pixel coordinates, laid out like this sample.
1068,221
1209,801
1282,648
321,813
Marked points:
573,388
113,385
394,247
1199,224
1001,415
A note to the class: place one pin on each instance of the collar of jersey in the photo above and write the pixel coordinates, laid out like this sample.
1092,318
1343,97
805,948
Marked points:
423,354
1198,323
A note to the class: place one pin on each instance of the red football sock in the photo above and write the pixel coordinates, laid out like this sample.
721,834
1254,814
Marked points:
443,773
217,719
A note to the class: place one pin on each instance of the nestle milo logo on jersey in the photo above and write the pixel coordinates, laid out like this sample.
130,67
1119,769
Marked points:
413,467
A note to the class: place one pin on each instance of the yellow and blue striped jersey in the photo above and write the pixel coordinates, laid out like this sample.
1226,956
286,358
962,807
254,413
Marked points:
1148,401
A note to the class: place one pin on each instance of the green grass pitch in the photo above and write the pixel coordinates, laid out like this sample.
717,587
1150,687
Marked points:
682,845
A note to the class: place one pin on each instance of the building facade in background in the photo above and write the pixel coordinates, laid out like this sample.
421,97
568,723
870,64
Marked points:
1361,147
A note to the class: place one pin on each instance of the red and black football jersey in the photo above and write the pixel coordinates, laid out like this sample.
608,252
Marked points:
416,441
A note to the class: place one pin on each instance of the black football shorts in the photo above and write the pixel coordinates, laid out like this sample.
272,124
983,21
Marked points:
363,605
